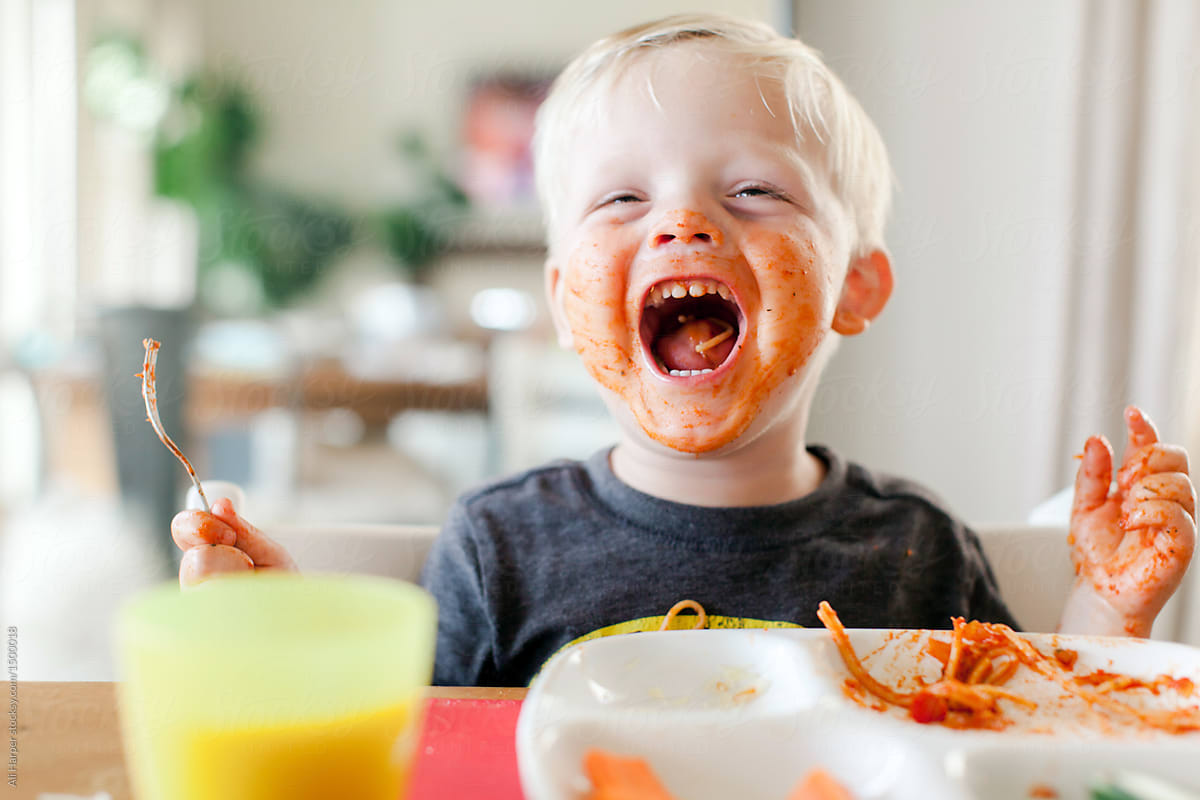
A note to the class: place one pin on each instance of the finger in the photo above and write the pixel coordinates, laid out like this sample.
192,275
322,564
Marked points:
1151,459
1175,487
1153,560
1141,430
194,528
210,560
1162,514
1094,476
265,551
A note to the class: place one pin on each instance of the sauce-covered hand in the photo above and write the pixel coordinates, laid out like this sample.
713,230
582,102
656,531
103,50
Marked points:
222,543
1130,543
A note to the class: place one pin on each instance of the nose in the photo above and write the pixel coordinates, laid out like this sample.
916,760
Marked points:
686,227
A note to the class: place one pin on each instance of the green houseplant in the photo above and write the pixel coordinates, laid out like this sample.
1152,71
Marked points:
416,232
283,242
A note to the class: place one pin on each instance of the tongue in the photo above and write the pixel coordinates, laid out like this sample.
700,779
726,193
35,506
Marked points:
677,350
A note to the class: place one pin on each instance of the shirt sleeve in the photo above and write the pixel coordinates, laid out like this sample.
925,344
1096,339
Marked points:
464,631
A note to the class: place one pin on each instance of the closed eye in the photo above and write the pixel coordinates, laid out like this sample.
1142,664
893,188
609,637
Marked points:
760,191
620,199
618,206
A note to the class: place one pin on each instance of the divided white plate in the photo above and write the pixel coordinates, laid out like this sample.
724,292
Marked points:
746,713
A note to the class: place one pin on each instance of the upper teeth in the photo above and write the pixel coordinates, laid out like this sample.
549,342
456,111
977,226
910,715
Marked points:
698,288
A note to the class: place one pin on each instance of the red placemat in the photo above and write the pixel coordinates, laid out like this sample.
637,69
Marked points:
468,749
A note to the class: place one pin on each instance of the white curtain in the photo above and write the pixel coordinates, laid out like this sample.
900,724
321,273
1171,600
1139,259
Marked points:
1131,281
37,218
1135,238
37,168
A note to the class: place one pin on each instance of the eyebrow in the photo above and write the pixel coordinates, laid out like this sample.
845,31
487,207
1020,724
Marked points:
794,160
751,161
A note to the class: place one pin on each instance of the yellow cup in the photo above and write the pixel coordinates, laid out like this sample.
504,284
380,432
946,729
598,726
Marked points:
274,686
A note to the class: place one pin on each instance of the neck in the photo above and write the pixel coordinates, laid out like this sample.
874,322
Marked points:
773,468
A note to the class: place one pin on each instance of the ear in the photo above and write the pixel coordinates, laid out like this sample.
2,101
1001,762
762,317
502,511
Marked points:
864,294
554,297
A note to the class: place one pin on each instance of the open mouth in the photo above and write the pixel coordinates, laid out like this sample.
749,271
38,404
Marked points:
690,326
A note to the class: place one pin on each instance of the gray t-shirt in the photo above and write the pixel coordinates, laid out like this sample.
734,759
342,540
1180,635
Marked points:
529,564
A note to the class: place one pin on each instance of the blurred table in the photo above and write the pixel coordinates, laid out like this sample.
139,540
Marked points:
318,385
323,385
79,437
69,739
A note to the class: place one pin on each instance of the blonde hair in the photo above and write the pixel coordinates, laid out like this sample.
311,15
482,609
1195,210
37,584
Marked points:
817,101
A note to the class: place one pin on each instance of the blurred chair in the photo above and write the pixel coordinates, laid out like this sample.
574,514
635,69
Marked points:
393,551
543,404
1055,510
1032,565
451,447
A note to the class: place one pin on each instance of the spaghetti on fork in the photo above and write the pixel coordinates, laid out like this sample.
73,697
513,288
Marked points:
149,376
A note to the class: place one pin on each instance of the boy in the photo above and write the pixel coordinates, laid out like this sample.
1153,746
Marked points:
715,205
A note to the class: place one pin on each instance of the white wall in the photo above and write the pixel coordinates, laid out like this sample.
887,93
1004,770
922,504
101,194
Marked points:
976,103
338,81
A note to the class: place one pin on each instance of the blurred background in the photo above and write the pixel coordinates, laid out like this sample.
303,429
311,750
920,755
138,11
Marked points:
326,216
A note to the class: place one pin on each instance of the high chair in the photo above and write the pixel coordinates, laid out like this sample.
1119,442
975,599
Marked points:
1032,564
394,551
389,550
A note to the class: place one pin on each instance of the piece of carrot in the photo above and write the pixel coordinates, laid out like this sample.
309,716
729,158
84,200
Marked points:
617,777
819,785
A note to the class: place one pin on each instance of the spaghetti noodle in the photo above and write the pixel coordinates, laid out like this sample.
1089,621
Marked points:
708,344
978,661
701,617
980,658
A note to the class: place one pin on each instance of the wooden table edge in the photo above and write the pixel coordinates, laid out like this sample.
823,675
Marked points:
69,739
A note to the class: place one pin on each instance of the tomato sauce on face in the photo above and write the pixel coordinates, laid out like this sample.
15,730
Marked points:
786,307
666,188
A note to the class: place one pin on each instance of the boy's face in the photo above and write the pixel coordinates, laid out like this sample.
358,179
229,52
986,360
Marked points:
689,181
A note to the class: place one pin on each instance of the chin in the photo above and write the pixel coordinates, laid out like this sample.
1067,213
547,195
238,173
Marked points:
721,429
673,436
696,438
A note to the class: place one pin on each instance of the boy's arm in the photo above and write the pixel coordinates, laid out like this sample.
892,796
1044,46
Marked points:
1130,543
464,633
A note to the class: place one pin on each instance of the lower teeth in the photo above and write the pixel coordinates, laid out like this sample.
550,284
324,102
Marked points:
685,373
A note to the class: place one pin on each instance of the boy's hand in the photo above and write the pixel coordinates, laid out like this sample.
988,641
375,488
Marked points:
1130,544
222,542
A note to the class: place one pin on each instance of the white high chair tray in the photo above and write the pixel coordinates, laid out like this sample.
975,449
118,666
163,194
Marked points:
747,713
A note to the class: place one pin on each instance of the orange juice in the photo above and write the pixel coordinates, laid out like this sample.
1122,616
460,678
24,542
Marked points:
274,687
362,756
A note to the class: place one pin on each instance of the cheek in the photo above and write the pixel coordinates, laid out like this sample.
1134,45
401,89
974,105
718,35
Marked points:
797,298
596,309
